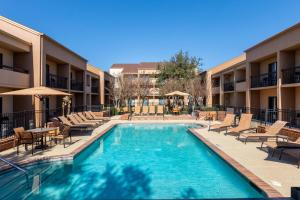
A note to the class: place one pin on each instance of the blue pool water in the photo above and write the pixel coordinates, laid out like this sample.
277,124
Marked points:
134,161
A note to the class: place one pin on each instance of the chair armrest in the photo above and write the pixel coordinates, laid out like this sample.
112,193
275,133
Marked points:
283,137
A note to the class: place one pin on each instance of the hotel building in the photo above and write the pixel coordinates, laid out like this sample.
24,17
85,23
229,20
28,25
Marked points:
29,58
266,79
136,71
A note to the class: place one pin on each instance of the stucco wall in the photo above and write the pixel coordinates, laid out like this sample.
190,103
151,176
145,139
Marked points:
264,97
7,57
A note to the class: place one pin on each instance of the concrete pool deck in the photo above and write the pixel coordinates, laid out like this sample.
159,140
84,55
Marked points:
281,175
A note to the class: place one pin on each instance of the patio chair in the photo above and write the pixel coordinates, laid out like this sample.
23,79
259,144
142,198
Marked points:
244,125
160,110
272,132
65,133
26,138
152,110
85,120
74,127
145,110
228,121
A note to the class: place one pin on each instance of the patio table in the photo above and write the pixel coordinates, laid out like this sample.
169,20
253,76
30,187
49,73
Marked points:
41,132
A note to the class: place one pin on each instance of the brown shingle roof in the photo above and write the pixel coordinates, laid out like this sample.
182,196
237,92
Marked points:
133,68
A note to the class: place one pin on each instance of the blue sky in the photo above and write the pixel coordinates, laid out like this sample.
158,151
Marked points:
130,31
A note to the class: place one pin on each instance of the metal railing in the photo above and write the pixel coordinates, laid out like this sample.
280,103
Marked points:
264,80
228,86
95,89
215,83
56,81
261,115
76,85
15,69
291,75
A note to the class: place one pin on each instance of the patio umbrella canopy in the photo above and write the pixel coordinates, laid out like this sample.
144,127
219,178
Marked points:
177,93
36,91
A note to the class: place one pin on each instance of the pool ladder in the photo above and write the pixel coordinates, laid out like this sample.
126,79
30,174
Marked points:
25,172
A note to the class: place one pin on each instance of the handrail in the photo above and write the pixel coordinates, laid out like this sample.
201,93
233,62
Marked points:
17,167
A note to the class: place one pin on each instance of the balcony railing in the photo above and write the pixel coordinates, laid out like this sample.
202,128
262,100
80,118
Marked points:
228,86
215,83
95,89
15,69
76,85
264,80
291,75
56,81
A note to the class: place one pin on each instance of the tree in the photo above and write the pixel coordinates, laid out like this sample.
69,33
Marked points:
142,86
115,93
180,67
197,88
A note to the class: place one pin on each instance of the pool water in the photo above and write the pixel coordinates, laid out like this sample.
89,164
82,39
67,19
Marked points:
134,161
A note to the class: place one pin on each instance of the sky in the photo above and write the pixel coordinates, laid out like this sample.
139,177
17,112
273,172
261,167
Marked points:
133,31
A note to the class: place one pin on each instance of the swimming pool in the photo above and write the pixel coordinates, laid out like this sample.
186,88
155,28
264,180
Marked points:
134,161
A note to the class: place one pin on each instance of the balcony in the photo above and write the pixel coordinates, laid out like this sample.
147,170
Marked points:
264,80
14,77
291,75
240,85
95,89
76,85
56,81
15,69
228,86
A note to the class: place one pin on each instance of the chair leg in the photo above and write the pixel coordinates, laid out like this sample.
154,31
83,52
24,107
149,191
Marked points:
281,152
32,148
64,143
262,143
17,149
246,140
273,151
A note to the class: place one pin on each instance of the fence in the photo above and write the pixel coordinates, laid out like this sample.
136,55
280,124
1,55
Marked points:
37,118
263,116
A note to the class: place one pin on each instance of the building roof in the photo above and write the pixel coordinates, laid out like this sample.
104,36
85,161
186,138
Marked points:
275,36
133,68
230,63
39,34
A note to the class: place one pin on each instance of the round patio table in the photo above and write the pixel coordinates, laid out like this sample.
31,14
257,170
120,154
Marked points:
41,132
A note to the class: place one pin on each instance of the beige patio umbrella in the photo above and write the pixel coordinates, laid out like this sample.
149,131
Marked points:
177,93
36,92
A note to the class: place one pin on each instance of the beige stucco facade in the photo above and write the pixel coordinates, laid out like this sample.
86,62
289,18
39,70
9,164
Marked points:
30,58
266,76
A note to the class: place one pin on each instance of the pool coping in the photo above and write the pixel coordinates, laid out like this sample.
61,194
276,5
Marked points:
268,190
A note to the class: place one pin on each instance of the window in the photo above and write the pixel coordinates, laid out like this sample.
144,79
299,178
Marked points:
273,67
0,105
1,59
88,80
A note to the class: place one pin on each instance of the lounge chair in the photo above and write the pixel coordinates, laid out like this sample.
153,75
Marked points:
244,125
65,133
74,127
75,121
228,121
137,110
152,110
293,153
282,145
160,111
272,132
91,116
84,119
145,110
23,137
